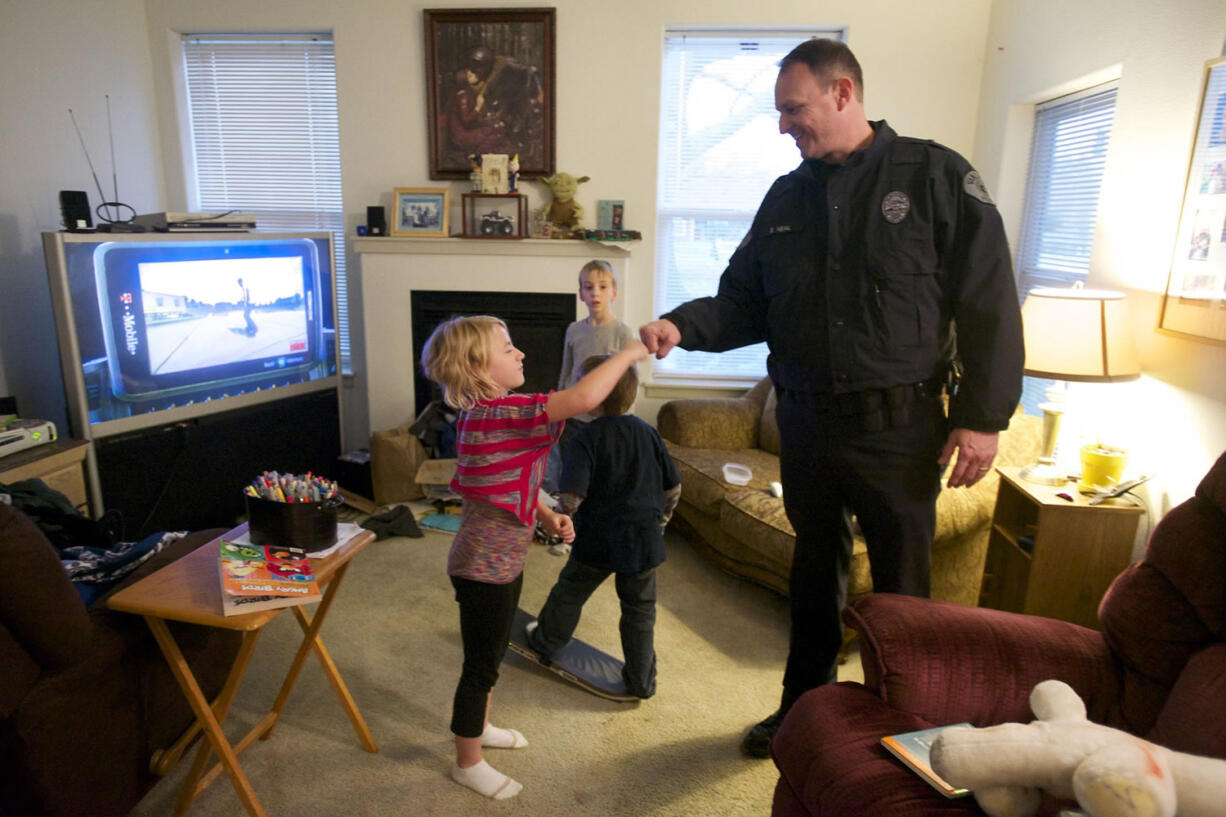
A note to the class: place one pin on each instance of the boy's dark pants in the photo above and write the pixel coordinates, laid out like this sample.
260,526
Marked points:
637,592
487,612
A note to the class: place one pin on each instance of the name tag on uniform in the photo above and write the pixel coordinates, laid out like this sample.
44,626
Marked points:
779,228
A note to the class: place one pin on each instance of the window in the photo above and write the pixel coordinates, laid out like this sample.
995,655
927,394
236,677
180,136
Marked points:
264,137
1067,156
720,149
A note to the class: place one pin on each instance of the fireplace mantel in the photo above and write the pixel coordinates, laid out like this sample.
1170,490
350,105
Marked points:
392,268
551,248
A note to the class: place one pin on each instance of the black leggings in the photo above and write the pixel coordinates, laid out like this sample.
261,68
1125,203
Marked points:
487,612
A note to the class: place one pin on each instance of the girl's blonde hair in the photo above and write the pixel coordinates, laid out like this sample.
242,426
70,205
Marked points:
456,357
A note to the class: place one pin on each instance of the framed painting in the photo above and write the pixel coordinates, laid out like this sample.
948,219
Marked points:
490,88
1195,301
421,212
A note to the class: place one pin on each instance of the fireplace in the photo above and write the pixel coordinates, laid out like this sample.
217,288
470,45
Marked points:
396,270
537,322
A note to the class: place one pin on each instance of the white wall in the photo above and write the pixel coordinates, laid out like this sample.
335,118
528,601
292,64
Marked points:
922,63
608,58
1037,49
927,69
56,55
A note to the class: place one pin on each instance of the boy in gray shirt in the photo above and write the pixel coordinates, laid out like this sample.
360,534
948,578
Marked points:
600,333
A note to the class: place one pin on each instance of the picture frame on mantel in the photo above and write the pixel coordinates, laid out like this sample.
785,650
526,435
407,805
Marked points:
490,78
420,212
1194,304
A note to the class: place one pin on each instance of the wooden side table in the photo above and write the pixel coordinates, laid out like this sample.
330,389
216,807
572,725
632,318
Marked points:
189,590
1054,557
60,464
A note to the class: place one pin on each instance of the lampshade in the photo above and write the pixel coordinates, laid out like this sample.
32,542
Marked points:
1079,334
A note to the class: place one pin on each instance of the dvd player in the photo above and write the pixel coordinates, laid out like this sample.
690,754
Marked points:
169,222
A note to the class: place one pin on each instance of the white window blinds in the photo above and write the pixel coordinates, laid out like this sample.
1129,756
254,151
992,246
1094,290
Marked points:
264,137
720,149
1067,156
1068,152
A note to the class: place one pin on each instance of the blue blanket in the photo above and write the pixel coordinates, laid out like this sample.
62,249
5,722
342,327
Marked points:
94,570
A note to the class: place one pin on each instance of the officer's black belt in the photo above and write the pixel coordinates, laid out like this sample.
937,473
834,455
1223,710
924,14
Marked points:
878,408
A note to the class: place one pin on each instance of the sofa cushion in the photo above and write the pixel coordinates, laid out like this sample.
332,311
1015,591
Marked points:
1198,698
38,605
753,515
702,475
758,519
831,762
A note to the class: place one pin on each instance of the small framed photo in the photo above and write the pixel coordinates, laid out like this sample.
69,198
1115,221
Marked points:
610,214
421,212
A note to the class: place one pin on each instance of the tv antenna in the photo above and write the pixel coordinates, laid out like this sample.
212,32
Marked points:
114,204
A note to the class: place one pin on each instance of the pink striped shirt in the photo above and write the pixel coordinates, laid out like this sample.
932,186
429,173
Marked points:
502,446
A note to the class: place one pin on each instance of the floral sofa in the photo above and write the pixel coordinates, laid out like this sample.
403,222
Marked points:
745,529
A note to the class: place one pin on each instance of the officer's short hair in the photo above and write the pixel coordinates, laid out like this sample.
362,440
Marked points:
828,60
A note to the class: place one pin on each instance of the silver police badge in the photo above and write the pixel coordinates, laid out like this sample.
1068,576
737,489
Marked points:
973,184
895,206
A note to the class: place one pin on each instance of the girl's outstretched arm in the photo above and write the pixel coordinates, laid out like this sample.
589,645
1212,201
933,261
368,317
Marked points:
595,386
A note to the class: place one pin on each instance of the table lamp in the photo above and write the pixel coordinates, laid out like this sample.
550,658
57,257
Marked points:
1074,334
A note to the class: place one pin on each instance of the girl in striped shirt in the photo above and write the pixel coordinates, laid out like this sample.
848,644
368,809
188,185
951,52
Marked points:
502,445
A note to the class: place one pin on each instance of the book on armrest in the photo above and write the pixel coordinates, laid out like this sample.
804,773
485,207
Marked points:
913,748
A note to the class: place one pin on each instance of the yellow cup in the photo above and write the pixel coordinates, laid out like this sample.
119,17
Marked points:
1101,467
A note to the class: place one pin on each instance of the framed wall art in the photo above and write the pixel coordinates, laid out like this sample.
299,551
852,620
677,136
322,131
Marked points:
490,88
420,212
1195,301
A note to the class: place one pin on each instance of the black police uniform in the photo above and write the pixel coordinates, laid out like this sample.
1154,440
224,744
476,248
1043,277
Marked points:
858,276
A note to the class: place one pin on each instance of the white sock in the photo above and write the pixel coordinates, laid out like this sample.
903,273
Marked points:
496,738
484,779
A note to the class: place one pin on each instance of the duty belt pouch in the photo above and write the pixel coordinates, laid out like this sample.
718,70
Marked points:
873,414
898,399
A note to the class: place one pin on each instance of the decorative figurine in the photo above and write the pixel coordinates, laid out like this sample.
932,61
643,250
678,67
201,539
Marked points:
563,213
513,174
474,178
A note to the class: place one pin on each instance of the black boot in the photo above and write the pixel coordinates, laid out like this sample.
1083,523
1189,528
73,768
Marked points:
757,741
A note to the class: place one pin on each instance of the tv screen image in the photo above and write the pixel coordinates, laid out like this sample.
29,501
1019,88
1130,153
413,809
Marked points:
169,322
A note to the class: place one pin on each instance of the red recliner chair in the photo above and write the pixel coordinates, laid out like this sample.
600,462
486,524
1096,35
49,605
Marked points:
1157,669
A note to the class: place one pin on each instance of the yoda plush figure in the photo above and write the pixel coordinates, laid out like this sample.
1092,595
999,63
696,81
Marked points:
563,213
1110,773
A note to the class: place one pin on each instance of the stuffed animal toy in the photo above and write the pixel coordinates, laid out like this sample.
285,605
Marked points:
1110,773
563,213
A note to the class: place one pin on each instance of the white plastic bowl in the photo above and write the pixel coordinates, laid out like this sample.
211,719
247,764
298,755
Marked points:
737,474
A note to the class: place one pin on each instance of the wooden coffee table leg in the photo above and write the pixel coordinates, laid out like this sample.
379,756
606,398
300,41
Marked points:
338,685
204,714
194,784
310,640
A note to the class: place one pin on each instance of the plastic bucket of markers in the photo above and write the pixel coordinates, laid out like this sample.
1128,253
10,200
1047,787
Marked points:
307,525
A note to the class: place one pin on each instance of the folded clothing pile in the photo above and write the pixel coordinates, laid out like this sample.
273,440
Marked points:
398,521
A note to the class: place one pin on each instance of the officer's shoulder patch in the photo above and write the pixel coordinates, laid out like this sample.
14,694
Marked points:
973,184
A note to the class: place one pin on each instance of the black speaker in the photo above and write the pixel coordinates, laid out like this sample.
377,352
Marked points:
74,209
376,221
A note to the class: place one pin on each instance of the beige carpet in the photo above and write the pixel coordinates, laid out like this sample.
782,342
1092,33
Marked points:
394,634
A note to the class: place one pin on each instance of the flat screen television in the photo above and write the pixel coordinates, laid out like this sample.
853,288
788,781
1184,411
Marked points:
156,328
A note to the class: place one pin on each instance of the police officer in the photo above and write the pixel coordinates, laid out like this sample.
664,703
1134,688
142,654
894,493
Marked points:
874,271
